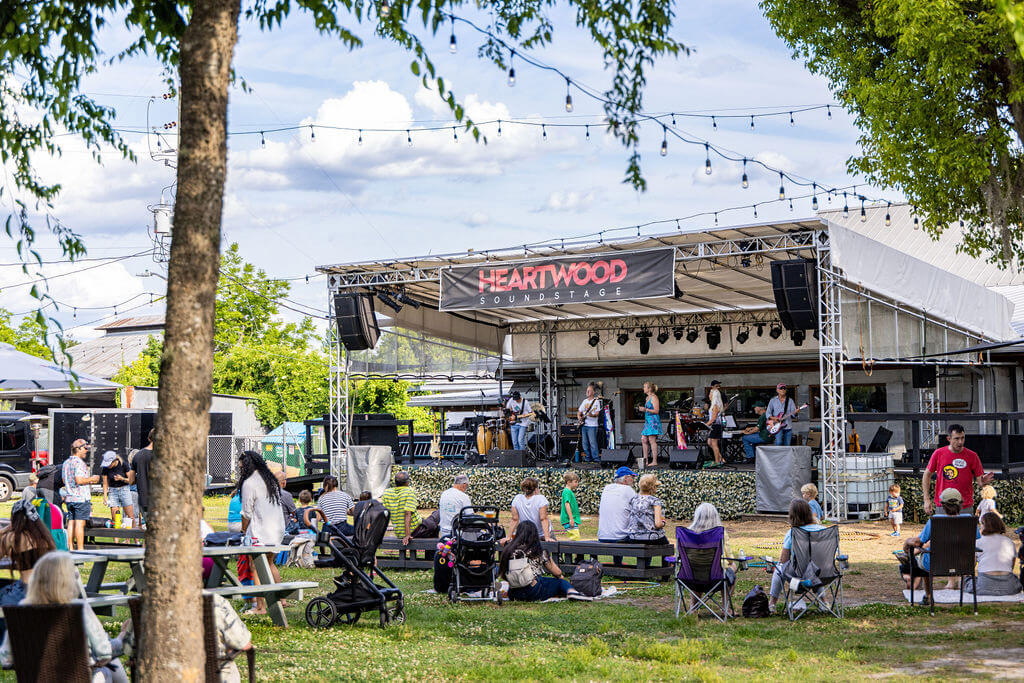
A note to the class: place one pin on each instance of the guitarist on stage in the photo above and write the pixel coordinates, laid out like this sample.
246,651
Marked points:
518,407
781,409
589,413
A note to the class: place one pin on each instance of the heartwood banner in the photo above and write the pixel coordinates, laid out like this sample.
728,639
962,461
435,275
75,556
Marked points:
549,282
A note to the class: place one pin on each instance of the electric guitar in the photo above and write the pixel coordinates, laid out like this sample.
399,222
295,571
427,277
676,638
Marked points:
435,443
775,423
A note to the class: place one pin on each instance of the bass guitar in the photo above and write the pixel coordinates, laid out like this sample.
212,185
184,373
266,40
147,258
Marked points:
775,423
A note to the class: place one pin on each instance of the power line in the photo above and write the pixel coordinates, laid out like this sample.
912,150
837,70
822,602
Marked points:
80,270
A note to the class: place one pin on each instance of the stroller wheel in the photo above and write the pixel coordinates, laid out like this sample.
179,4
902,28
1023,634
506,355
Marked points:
500,599
321,613
396,615
453,595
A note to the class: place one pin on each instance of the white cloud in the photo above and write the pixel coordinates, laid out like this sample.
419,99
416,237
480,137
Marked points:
477,219
568,200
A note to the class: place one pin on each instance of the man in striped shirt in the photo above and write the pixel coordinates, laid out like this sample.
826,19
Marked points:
400,501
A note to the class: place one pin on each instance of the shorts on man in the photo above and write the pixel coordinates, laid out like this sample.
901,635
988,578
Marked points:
80,511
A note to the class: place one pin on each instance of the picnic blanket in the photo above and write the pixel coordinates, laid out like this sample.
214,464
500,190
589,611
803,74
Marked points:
606,592
947,597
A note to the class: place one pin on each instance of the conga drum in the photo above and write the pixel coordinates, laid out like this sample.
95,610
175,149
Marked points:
484,439
502,439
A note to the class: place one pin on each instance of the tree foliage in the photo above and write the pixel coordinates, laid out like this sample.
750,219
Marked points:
389,396
29,336
937,89
1013,13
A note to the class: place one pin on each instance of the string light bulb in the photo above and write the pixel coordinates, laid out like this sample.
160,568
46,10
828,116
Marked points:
499,128
888,218
746,181
511,69
263,140
385,9
312,133
455,134
408,137
452,44
828,108
791,121
664,141
846,208
543,131
755,210
814,197
791,204
751,122
716,218
782,186
568,96
588,133
714,124
707,159
360,140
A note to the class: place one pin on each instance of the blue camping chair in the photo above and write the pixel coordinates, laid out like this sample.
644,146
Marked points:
699,572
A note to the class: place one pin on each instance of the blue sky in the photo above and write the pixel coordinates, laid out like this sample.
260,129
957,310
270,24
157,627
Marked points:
298,203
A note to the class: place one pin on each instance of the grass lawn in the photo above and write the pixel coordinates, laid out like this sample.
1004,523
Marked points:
635,636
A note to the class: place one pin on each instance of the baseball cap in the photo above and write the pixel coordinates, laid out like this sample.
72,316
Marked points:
715,383
780,385
950,495
759,404
624,472
78,443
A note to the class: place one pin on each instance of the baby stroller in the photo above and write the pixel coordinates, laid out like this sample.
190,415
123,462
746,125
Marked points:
473,551
355,590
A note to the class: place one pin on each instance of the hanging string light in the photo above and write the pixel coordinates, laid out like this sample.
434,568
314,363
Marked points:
499,128
828,109
791,204
588,133
791,121
755,210
385,9
511,69
716,218
714,124
664,141
543,131
312,133
707,159
863,213
455,134
751,122
846,208
745,182
814,197
452,45
782,186
568,96
263,140
408,137
360,140
888,218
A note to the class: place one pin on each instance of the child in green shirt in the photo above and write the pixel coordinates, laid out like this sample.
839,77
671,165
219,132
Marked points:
569,508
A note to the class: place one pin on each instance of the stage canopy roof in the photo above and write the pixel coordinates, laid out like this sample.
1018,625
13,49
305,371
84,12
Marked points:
715,271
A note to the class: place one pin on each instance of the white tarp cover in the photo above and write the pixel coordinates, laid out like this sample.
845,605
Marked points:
367,468
780,471
921,286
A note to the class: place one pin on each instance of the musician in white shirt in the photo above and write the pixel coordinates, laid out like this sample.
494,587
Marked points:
589,412
782,407
517,405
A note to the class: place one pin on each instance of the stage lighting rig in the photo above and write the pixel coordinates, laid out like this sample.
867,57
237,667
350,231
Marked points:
714,333
623,338
404,297
692,334
386,299
644,336
678,333
743,335
760,329
798,337
775,332
663,335
595,339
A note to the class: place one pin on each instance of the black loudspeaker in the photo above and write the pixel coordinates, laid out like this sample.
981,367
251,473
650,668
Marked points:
568,445
497,457
366,433
615,457
357,325
924,376
796,293
684,458
880,442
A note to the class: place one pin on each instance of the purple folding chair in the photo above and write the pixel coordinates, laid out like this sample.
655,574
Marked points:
699,572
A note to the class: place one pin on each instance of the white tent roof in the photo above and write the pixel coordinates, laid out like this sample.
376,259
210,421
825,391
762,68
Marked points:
23,371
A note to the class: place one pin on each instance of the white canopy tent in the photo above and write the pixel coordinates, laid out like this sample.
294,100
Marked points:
22,371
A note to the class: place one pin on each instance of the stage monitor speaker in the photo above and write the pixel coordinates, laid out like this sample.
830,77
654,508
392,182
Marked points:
795,285
357,325
497,457
615,457
924,376
684,458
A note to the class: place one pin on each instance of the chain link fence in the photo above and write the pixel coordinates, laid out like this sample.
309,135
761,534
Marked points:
222,454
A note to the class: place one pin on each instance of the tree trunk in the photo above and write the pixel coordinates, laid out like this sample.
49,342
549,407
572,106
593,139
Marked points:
171,642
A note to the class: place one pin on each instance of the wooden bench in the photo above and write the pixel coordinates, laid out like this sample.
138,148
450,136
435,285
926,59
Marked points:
291,590
621,560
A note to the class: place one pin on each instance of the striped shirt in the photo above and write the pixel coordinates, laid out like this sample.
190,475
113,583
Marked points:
398,500
335,504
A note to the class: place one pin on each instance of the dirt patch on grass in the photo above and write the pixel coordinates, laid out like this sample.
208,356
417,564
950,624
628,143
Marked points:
1004,664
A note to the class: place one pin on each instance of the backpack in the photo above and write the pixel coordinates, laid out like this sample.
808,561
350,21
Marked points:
521,573
219,538
587,578
369,530
755,605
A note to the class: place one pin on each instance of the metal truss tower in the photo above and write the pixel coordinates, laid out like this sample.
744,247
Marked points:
830,368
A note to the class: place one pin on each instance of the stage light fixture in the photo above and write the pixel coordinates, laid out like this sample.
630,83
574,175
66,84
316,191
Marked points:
760,329
595,339
623,338
386,299
798,337
678,333
775,332
404,297
714,333
663,335
644,336
743,335
692,335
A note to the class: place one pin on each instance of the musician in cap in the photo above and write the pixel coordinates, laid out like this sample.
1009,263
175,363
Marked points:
754,436
781,409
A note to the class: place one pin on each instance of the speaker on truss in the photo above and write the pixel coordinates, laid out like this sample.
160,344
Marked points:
796,293
684,458
924,376
357,325
615,457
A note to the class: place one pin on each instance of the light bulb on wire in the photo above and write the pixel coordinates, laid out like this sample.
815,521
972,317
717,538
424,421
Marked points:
846,207
499,128
791,121
814,197
568,97
408,137
452,44
360,140
588,133
312,133
746,181
385,9
888,217
263,140
782,186
751,122
511,70
543,131
707,159
455,134
828,108
863,213
714,124
664,141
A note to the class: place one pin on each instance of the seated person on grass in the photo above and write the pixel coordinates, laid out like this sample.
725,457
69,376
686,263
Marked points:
529,583
916,548
995,561
801,517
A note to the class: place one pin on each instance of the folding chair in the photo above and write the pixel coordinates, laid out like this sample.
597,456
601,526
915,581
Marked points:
48,643
952,547
699,572
824,587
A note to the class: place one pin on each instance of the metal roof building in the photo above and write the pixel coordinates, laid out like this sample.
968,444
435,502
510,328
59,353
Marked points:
122,343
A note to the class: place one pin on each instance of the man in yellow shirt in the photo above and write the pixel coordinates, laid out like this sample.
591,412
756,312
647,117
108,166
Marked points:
400,502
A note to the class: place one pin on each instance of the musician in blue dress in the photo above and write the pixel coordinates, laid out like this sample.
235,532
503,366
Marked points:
652,425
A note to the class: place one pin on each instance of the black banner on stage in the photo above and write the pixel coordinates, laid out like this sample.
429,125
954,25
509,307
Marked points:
546,282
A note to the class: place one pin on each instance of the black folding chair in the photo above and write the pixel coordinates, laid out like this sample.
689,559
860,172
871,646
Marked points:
48,643
823,587
951,546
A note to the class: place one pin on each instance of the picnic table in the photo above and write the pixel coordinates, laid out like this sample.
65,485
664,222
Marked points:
268,589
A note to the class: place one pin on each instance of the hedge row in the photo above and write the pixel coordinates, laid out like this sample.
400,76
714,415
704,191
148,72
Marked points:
682,490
